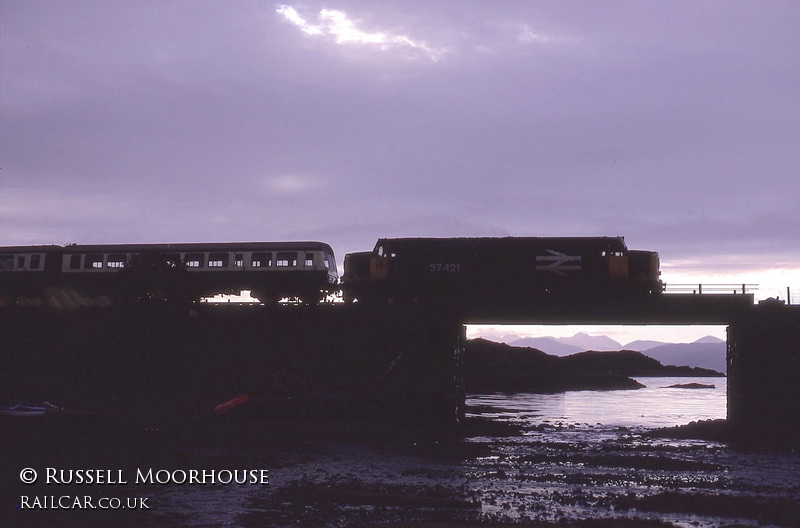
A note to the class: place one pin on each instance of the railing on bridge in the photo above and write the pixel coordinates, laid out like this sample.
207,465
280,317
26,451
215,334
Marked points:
793,295
699,289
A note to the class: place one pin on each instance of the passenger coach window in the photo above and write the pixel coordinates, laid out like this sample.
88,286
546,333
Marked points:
218,260
115,261
287,260
7,263
194,260
93,262
36,261
21,262
74,262
173,260
309,259
261,260
238,260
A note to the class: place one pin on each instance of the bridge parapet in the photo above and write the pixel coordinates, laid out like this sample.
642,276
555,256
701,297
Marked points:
699,289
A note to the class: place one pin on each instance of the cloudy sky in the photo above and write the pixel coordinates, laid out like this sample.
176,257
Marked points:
675,124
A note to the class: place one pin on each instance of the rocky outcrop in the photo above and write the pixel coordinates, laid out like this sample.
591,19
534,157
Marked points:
490,367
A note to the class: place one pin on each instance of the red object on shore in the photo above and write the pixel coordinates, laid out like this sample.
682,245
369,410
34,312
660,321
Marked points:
224,407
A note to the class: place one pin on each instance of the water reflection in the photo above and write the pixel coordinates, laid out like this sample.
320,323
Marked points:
651,407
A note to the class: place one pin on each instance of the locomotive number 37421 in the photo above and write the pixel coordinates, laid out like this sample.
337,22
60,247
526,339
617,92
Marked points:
444,268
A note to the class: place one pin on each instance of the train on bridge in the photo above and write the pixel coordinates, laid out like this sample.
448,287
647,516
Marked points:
490,270
501,271
271,270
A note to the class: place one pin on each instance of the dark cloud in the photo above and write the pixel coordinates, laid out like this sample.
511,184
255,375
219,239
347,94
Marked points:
672,124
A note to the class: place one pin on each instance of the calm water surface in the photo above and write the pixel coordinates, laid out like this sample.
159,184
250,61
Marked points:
587,454
651,407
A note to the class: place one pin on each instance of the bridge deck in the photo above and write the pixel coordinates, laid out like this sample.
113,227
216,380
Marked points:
673,309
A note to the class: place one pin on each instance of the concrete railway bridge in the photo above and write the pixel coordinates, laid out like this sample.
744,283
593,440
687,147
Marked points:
389,359
763,349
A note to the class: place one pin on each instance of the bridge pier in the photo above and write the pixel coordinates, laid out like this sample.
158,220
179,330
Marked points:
763,354
423,382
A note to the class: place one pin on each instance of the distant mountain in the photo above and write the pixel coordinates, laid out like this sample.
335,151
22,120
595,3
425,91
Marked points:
589,342
564,346
550,345
508,338
491,367
709,339
641,345
706,354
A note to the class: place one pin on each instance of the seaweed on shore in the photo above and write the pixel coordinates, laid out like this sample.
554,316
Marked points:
714,430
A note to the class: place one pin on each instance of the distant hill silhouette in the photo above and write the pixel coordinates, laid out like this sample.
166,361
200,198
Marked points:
706,355
498,367
549,345
710,339
590,342
562,346
707,352
642,345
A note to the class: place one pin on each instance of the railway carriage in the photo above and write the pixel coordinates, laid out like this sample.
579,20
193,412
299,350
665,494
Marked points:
500,271
26,271
271,270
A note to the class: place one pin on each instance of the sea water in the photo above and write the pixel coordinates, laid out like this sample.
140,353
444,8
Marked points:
656,405
590,454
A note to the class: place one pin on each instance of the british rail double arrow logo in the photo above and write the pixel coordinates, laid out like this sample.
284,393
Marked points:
558,263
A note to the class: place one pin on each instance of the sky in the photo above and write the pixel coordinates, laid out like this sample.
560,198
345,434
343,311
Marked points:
674,124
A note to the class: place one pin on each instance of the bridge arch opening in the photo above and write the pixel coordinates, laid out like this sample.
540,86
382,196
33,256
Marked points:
662,400
700,345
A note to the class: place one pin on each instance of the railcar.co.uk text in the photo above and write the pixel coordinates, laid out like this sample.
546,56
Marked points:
117,477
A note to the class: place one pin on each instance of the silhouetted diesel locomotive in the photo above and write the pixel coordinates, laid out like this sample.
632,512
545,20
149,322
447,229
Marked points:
500,271
271,270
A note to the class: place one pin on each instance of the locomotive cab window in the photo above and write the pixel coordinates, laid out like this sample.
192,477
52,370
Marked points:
261,260
218,260
93,262
286,259
173,260
309,260
194,260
